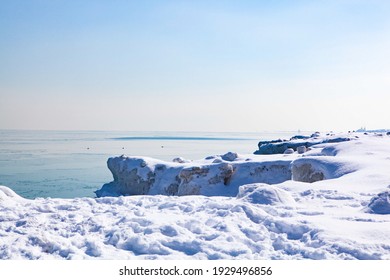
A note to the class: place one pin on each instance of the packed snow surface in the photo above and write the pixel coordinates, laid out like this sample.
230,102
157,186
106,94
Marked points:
329,200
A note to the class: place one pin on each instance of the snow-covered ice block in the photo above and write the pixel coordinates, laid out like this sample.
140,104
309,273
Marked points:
313,169
380,204
280,146
141,176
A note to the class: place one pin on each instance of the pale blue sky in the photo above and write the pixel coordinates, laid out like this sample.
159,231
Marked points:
194,65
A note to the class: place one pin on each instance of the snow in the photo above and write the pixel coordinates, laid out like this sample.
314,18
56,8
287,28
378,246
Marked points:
380,204
330,202
213,176
265,194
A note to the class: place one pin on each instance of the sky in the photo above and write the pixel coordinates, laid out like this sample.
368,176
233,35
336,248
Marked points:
194,65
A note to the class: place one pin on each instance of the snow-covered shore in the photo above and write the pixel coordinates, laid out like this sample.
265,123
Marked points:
222,175
330,202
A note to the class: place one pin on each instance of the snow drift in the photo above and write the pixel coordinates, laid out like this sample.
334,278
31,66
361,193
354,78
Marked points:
265,194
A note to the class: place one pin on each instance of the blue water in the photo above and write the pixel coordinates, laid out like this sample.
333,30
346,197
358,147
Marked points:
68,164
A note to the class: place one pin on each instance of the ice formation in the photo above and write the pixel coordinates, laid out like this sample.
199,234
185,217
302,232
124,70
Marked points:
220,175
224,174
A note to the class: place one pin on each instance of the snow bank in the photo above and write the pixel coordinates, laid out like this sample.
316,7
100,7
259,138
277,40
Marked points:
220,175
8,196
223,174
263,222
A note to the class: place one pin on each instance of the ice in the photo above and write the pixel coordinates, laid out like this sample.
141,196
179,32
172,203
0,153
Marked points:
245,207
221,175
380,204
312,169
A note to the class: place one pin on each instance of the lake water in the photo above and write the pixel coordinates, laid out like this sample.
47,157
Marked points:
68,164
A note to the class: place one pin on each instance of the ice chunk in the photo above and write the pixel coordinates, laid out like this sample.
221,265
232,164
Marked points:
380,204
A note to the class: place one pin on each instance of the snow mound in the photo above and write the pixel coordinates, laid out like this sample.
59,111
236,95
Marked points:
230,156
380,204
313,169
180,160
265,194
6,194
